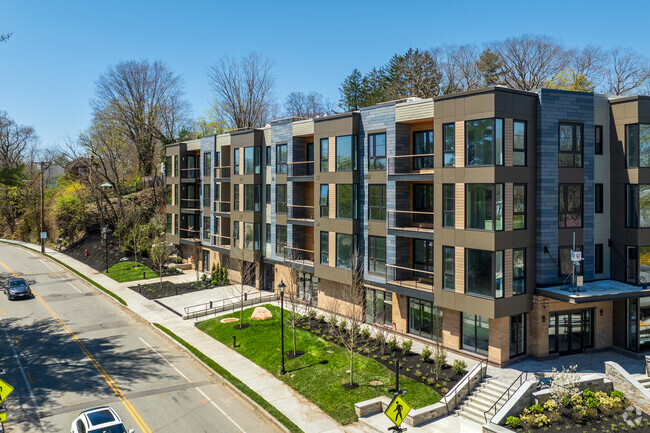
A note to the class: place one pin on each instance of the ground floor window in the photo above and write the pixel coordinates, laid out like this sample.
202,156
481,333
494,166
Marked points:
475,333
308,288
425,319
206,261
644,323
517,335
379,307
570,331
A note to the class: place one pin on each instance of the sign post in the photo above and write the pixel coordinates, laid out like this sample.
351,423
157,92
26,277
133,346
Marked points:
5,390
398,408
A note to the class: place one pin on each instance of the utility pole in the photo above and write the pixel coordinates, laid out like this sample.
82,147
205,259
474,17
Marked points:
42,202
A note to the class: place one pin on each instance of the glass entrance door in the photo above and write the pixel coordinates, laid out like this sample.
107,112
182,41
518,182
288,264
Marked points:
570,332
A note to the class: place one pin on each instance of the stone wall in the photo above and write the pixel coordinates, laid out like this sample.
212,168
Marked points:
624,382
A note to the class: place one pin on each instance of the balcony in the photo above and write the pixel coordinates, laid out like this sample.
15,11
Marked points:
411,165
190,235
303,169
301,213
190,204
221,241
299,256
192,174
411,221
409,278
221,206
222,173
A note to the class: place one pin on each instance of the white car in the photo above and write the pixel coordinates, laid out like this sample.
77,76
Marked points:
98,420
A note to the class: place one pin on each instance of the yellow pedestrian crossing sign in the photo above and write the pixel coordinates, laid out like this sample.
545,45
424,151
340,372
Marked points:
397,410
5,390
3,417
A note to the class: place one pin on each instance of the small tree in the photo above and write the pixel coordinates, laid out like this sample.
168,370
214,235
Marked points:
196,252
160,251
240,290
291,259
381,332
137,236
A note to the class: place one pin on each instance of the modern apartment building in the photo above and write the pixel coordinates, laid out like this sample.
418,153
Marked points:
465,209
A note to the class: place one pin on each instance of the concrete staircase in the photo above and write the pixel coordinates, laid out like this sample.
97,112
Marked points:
643,380
481,399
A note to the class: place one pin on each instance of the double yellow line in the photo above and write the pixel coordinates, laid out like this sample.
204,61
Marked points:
109,380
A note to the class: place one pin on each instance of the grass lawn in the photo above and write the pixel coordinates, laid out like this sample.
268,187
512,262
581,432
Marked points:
321,371
125,271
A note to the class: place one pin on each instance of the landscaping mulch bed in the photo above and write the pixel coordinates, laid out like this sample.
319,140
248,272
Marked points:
411,364
158,290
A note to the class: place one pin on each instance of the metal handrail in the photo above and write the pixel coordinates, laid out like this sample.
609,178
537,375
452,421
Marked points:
518,379
407,168
467,376
220,305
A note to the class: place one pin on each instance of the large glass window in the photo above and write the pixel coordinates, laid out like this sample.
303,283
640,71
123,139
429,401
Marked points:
425,319
570,145
423,258
484,273
644,265
379,307
248,236
252,160
281,159
423,203
346,201
519,143
518,271
169,223
235,234
268,156
324,248
168,166
344,250
637,145
423,145
252,198
324,154
449,140
207,164
517,335
476,333
377,202
206,195
377,151
346,153
570,205
236,158
449,268
448,210
566,266
484,142
324,202
484,206
598,139
377,255
281,198
280,239
519,207
235,198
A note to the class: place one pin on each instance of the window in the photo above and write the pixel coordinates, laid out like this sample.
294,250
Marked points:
248,236
631,264
324,154
377,255
235,199
235,234
423,145
448,205
207,164
169,223
346,201
598,139
175,165
637,206
519,143
423,258
257,227
518,271
281,159
566,266
484,206
484,273
206,229
324,201
519,207
377,151
449,268
377,202
570,205
280,239
598,198
252,160
346,153
379,307
281,198
268,193
475,333
252,198
423,204
324,248
517,335
345,249
206,195
637,145
644,265
425,319
169,194
484,142
449,140
236,170
570,145
598,259
268,156
168,166
176,195
268,233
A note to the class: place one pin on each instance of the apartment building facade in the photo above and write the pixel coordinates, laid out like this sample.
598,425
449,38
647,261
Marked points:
465,210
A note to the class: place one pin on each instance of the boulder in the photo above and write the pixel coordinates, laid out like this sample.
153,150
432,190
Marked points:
261,313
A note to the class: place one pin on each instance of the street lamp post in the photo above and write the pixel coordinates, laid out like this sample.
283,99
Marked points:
42,206
281,286
105,236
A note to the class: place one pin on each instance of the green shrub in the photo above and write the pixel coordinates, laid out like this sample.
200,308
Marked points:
534,420
406,346
459,366
513,422
617,394
312,314
365,333
343,324
430,381
536,408
425,355
392,343
592,402
418,373
179,260
551,405
321,318
588,393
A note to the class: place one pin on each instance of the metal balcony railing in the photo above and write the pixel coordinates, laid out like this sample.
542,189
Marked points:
301,212
409,277
410,164
410,220
190,234
302,168
191,173
222,172
299,255
190,203
221,241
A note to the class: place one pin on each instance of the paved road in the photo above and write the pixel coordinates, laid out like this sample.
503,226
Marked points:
71,348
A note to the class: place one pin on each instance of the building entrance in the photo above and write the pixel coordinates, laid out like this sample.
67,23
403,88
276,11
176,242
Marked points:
570,332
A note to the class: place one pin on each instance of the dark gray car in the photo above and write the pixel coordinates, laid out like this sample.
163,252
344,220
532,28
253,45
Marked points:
18,288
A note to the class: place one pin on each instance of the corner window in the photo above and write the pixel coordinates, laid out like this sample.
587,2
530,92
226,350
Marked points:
324,248
423,145
324,201
346,153
631,205
377,255
484,273
280,239
324,154
518,271
281,159
598,139
484,142
169,194
206,195
345,249
598,198
377,151
566,265
176,195
252,198
570,145
570,205
252,160
519,143
281,198
236,163
484,206
448,211
637,145
377,202
519,207
475,332
449,268
168,166
631,262
346,201
175,165
449,140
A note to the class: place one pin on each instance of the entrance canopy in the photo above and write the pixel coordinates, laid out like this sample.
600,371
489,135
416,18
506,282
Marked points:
594,291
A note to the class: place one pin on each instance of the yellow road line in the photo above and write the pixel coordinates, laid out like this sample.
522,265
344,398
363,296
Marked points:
107,378
4,312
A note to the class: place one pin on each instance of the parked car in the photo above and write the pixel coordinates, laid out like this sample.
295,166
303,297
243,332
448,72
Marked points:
98,420
17,288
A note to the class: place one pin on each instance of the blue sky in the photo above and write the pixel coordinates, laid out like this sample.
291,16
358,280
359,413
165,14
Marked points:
58,49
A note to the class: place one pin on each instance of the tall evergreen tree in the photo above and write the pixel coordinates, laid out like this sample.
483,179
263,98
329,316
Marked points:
353,92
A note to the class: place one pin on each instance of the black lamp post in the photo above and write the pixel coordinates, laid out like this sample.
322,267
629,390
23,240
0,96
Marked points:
281,286
105,236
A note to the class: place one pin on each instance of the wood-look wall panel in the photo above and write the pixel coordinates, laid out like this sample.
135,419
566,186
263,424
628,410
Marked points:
507,207
459,144
459,206
459,277
508,141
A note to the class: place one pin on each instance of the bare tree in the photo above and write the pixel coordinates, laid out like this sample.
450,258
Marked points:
244,90
196,260
296,306
15,141
625,71
530,61
138,236
583,73
240,290
310,105
160,251
460,69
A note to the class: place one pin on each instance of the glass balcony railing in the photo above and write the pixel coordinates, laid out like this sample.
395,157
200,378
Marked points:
303,168
301,212
410,220
410,164
412,278
190,203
